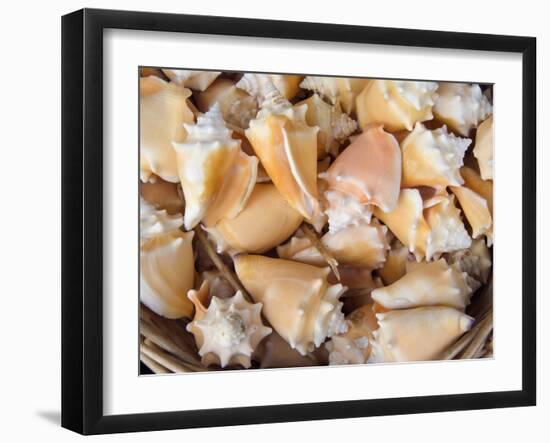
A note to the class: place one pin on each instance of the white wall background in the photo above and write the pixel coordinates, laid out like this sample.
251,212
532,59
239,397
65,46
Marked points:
30,218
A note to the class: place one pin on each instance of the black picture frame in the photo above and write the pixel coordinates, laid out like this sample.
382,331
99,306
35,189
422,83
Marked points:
82,220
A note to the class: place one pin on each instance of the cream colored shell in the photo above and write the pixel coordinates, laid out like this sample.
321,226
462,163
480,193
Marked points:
477,212
432,158
428,284
396,104
483,149
163,111
197,80
260,85
298,301
153,222
484,188
341,91
417,334
227,331
462,106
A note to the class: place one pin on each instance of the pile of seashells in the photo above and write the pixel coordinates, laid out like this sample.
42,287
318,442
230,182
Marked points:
290,220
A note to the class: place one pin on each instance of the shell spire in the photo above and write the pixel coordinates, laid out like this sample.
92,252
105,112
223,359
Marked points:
227,331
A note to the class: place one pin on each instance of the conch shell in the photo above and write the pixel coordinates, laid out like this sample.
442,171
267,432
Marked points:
342,91
163,111
196,80
213,170
475,261
287,148
334,125
265,222
417,334
461,106
166,263
298,301
396,104
227,331
473,181
354,346
395,265
483,149
432,158
428,284
367,171
260,85
426,232
477,212
162,195
236,106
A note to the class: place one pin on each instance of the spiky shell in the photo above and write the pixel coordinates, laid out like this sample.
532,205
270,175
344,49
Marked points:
265,221
417,334
396,104
477,212
287,148
428,284
163,111
483,149
260,85
196,80
298,301
334,125
475,261
237,107
341,91
461,106
227,331
211,165
153,222
433,158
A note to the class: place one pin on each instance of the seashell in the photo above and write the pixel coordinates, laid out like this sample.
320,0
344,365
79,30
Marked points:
432,158
227,330
265,222
146,72
196,80
163,111
396,104
298,301
166,263
447,232
344,210
395,265
353,347
417,334
428,284
406,221
475,261
260,85
274,352
301,249
483,149
477,212
335,90
334,125
213,169
473,181
287,148
461,106
236,106
162,195
367,171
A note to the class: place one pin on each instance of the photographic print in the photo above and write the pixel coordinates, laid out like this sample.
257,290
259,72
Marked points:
300,220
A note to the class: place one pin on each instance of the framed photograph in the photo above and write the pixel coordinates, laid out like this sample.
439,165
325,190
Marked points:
270,221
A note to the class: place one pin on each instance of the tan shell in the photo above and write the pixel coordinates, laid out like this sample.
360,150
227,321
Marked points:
213,170
162,195
227,331
334,125
287,148
473,181
483,149
432,158
428,284
260,85
163,111
396,104
417,334
335,90
461,106
477,212
475,261
236,106
395,265
298,301
265,222
196,80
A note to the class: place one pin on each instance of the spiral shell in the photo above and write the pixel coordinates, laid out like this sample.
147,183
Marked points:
298,301
260,85
196,80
